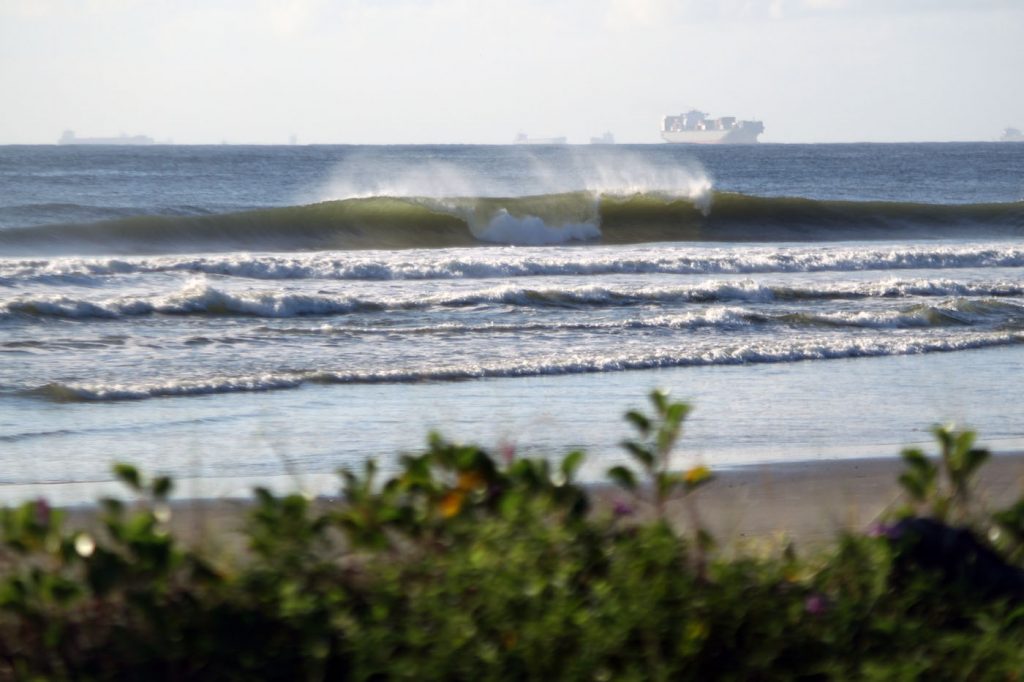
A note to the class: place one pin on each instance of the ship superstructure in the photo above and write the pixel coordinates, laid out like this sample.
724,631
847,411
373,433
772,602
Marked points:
694,127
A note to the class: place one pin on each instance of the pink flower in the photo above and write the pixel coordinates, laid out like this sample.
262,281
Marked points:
621,509
816,604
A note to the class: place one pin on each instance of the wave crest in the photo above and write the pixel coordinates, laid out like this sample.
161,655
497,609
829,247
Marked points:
199,298
485,264
423,222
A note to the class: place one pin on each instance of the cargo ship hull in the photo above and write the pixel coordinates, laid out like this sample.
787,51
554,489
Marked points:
69,137
734,136
694,127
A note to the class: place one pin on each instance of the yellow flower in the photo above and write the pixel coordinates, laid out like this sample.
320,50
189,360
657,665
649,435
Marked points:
696,475
451,503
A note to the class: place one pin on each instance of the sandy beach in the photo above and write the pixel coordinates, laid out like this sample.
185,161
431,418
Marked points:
806,502
811,501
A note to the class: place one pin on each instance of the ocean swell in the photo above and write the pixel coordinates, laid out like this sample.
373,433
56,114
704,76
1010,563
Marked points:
422,222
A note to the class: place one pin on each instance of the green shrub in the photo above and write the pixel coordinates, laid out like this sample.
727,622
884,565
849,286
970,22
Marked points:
468,566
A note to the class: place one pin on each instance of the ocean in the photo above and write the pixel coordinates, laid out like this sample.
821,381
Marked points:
233,314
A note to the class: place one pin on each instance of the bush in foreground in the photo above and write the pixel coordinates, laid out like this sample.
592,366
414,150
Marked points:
470,566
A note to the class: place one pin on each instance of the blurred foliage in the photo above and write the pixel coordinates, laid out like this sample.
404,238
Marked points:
467,566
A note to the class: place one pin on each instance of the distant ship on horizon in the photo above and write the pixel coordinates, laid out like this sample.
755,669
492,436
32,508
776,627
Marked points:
1012,135
69,137
523,138
694,127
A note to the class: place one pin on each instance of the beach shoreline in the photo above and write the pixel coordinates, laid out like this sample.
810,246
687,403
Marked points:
808,503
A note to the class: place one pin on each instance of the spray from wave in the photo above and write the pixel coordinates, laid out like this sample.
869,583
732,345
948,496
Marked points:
594,172
607,199
555,206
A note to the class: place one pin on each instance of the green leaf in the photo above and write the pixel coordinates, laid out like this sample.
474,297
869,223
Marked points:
660,400
944,435
264,497
964,441
162,486
914,486
623,477
112,506
677,413
640,421
916,459
641,453
128,475
571,464
667,436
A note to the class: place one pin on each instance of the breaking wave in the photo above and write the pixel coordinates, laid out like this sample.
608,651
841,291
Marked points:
422,222
482,264
959,312
199,298
728,354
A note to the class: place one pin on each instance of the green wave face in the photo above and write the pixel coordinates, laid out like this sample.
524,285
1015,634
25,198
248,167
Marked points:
419,222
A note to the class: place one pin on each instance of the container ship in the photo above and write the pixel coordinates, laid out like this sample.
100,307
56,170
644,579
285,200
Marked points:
694,127
523,138
1012,135
69,137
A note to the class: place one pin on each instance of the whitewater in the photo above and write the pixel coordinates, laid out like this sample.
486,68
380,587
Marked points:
234,314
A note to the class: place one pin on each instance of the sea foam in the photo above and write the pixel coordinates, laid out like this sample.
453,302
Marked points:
201,298
526,262
768,351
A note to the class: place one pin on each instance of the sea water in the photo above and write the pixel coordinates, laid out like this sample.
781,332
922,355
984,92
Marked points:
240,314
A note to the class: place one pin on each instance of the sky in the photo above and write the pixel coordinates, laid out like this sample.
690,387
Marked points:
482,71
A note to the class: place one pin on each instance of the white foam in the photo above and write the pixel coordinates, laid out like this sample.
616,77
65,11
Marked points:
767,351
493,263
199,297
169,388
533,231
